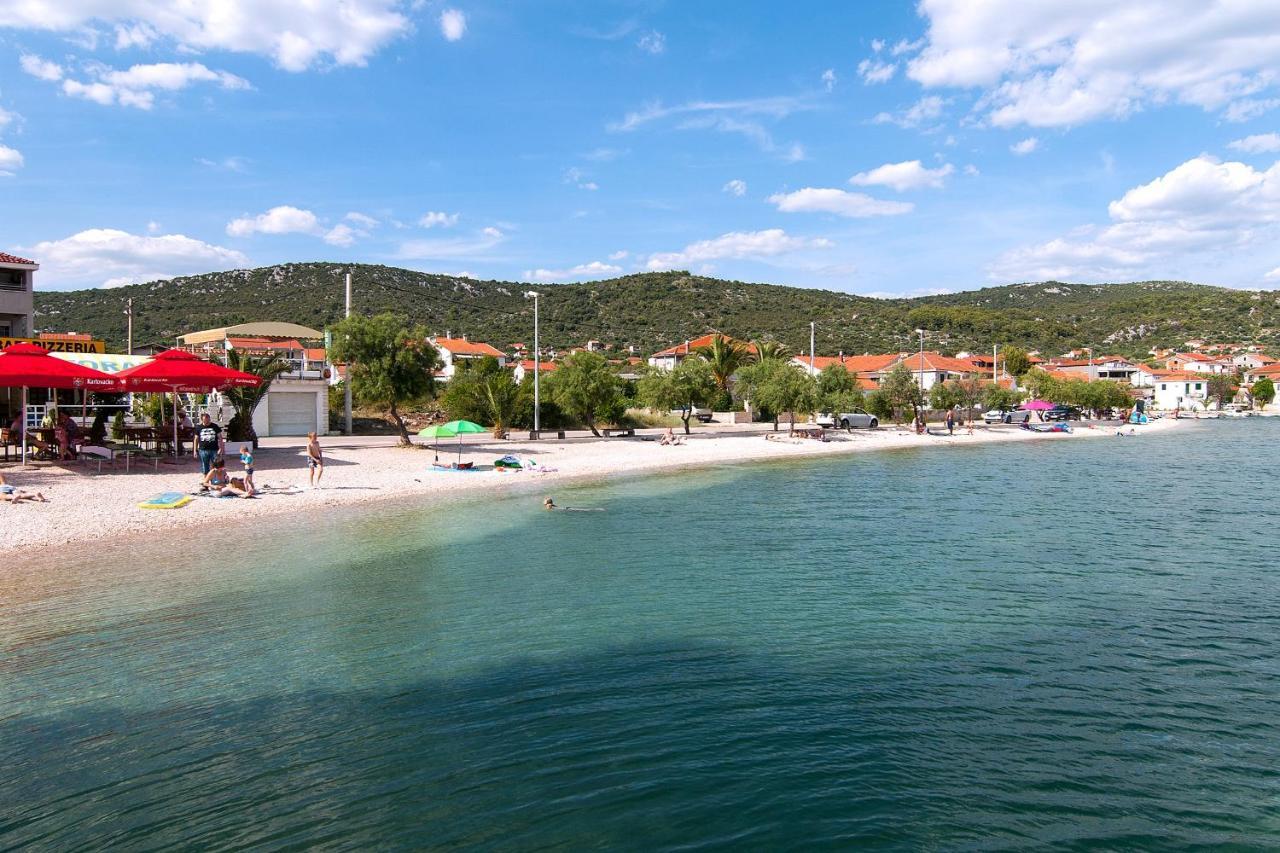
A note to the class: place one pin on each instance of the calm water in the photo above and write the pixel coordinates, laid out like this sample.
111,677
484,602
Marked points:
1059,643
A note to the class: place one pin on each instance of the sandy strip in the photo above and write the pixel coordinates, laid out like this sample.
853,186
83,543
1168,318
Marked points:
85,506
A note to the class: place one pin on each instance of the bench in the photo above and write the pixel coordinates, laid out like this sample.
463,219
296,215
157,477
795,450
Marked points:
619,433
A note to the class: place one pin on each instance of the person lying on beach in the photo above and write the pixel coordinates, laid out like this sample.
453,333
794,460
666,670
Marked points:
221,484
670,438
14,495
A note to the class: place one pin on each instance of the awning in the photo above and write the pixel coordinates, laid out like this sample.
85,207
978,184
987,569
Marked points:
252,330
106,362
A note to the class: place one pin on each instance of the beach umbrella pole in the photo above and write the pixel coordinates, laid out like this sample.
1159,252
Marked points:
23,422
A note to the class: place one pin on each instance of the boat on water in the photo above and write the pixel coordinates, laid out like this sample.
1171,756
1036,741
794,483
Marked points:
1207,416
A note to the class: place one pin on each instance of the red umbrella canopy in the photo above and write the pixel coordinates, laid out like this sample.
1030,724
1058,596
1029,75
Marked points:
178,370
27,365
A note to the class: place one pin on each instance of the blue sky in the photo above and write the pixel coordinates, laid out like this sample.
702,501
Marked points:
877,148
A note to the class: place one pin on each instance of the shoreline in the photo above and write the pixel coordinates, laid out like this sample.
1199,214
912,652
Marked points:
86,507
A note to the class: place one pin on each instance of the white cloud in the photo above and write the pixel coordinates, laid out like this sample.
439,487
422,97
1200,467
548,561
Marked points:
10,159
877,45
453,24
577,177
41,69
101,255
971,170
1199,208
652,42
296,34
839,202
1259,143
735,187
229,164
1274,274
908,175
438,219
736,244
340,235
1059,64
922,111
743,117
829,79
136,86
905,46
1249,108
1025,146
455,247
361,220
284,219
874,71
153,227
594,268
619,255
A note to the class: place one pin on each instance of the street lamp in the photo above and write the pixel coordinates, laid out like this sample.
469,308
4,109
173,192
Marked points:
537,365
920,332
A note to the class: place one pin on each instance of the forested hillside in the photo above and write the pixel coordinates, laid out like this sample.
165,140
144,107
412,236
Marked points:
654,310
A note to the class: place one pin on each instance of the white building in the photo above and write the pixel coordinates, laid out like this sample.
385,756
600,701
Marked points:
17,284
1251,361
454,351
1179,389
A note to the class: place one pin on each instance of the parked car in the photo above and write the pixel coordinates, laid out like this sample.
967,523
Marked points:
1062,413
857,419
1006,416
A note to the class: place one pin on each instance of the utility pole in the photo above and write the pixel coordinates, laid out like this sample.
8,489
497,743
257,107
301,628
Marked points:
537,366
346,383
128,312
812,327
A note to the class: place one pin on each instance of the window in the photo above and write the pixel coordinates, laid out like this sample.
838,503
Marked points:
1164,387
1198,384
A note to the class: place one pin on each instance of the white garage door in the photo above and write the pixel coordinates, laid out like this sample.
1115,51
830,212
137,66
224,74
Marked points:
290,413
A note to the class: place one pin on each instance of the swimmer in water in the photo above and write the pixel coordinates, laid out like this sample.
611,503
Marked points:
549,504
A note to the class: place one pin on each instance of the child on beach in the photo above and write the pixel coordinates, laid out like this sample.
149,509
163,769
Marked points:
315,459
222,485
246,459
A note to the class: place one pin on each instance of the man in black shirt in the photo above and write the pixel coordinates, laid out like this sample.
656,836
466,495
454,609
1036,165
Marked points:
208,442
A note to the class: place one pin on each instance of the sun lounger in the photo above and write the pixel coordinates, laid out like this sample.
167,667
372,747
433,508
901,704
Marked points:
94,453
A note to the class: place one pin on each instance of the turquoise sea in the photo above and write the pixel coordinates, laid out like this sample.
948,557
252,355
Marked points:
1058,643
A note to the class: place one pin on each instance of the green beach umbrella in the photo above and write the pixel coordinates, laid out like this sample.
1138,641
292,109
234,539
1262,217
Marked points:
451,429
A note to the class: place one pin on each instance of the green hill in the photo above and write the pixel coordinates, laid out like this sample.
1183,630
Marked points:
650,311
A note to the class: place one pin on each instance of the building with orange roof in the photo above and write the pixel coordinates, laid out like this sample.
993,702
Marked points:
1251,360
460,350
670,357
1179,389
524,367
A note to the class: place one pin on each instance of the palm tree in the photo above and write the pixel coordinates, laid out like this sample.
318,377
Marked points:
770,351
245,400
725,356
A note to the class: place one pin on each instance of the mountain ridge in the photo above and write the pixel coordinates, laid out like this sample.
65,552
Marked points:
649,311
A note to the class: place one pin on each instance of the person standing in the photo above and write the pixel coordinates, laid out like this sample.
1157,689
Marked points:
951,421
315,460
246,459
209,442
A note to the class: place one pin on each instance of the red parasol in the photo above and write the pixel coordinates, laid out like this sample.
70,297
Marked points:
177,370
31,366
28,365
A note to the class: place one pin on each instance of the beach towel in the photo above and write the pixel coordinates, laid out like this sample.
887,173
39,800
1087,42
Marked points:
166,500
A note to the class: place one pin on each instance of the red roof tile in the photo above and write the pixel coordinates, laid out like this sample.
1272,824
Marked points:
6,258
696,343
458,346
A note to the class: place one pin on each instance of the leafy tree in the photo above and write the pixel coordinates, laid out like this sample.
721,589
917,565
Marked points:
244,400
1220,387
838,390
995,397
586,389
1264,391
788,388
770,350
689,386
724,356
1016,361
878,405
485,392
901,391
1044,387
970,391
389,362
944,396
